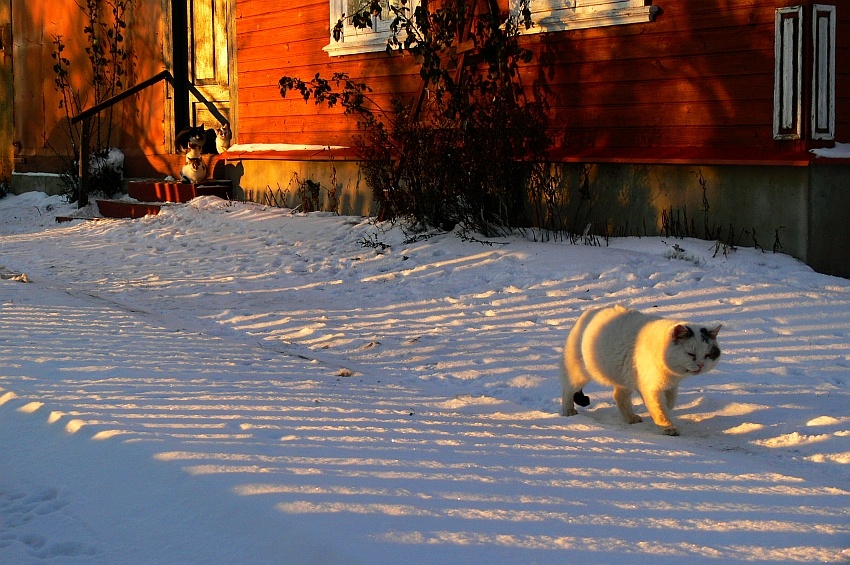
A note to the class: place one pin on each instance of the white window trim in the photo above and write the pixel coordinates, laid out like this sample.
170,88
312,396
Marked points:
361,41
547,15
788,71
823,72
566,15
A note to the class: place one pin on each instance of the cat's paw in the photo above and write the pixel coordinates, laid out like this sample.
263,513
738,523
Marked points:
670,431
571,412
634,419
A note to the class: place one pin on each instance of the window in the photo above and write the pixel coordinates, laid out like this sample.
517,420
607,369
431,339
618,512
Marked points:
547,15
788,83
561,15
823,72
355,40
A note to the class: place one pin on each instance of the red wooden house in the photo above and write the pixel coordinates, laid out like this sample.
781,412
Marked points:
667,79
657,106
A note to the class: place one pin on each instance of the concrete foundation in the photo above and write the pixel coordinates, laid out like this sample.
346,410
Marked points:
798,210
335,186
741,205
49,183
828,227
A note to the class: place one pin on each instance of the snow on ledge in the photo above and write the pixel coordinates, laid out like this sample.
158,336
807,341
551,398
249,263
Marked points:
840,151
35,174
253,147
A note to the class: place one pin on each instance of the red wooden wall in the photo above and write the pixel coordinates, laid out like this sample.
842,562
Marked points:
842,64
39,132
700,75
273,40
698,80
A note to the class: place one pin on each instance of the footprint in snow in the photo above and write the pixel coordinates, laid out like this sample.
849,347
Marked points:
23,518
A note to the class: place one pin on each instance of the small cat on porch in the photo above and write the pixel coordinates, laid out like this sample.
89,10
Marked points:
628,350
223,138
191,140
194,171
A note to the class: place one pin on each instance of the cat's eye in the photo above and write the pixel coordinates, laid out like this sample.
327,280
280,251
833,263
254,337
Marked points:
693,356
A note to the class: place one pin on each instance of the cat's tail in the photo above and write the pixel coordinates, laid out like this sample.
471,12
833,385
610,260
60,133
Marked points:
581,399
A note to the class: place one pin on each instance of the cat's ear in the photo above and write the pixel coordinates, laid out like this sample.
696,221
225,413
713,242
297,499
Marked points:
682,332
712,333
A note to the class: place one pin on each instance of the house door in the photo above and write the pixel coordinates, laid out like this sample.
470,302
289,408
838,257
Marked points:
210,48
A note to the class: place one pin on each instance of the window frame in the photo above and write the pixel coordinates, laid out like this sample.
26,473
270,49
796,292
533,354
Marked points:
354,40
547,15
567,15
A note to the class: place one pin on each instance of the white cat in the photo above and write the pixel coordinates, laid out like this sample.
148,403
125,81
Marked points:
629,351
194,171
223,137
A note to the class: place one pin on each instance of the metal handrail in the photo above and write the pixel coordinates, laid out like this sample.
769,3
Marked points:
85,130
86,115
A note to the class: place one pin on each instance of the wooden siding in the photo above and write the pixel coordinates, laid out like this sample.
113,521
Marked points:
842,79
38,118
293,46
700,77
7,119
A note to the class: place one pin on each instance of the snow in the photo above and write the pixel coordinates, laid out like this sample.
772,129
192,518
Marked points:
840,151
113,159
253,147
229,383
25,174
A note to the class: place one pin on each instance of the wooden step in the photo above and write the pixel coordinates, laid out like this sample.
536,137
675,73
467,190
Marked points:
164,191
151,194
125,209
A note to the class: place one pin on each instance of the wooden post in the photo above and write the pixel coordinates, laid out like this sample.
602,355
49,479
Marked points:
83,179
180,46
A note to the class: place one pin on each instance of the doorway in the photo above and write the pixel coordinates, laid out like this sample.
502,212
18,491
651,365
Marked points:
202,53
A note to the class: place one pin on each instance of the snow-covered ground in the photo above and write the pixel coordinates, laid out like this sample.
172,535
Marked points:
228,383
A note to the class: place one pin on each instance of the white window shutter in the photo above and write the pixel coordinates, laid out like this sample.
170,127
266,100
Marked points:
823,72
787,94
